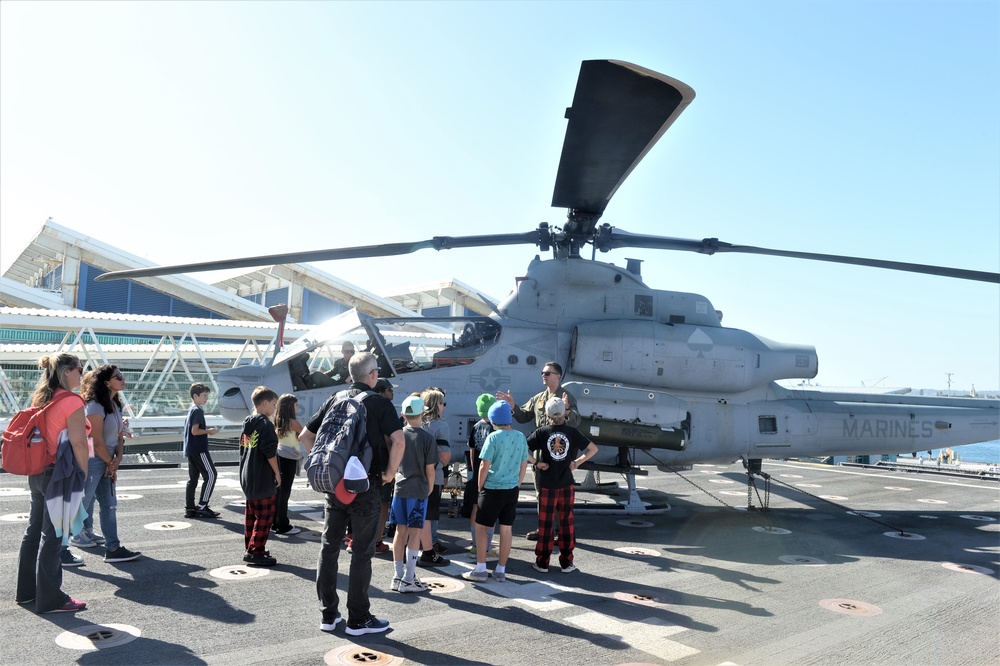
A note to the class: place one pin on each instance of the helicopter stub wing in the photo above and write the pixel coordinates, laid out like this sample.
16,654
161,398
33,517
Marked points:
619,112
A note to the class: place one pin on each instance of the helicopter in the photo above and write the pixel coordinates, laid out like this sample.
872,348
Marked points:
659,381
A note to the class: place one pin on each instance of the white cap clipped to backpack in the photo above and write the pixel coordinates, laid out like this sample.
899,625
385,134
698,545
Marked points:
355,481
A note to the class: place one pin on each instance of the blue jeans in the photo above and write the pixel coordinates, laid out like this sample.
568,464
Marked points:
363,513
39,568
102,489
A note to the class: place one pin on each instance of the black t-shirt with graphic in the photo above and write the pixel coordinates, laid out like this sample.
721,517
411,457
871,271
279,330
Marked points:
557,445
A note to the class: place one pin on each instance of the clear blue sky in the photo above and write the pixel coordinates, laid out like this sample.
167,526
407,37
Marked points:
191,131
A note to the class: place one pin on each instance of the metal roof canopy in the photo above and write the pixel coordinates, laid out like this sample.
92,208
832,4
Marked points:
55,244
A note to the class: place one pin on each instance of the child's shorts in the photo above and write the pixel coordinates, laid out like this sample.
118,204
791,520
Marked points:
409,511
497,505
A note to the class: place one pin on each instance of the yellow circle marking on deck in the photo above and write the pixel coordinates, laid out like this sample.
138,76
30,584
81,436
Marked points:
352,655
850,607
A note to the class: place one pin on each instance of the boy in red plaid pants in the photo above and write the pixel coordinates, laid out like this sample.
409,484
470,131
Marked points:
558,450
259,476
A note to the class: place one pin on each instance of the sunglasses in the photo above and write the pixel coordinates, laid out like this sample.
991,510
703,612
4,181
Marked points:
546,373
119,376
75,367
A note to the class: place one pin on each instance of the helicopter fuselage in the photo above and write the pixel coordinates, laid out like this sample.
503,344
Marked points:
658,379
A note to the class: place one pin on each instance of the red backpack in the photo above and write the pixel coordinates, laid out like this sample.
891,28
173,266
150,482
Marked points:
24,450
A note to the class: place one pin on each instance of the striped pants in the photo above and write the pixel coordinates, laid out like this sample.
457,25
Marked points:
201,466
257,519
555,502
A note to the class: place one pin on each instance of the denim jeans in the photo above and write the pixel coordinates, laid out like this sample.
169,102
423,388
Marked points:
39,568
363,513
101,488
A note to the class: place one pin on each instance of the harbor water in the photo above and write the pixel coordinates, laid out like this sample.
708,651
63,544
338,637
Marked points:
983,452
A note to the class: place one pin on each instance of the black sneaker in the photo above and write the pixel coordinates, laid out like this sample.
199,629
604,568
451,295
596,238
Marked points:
190,513
372,625
121,554
68,559
206,512
259,560
330,626
432,559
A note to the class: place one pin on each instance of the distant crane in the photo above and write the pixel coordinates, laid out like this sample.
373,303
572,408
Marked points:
949,374
875,383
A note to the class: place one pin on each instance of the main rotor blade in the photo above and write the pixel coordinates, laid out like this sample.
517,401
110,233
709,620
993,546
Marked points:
619,112
614,238
540,235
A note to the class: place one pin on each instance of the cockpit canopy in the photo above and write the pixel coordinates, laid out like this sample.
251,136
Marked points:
402,345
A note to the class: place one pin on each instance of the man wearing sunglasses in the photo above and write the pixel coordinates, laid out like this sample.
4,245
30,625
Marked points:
535,409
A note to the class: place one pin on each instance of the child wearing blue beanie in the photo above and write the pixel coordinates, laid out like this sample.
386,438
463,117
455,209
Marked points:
503,462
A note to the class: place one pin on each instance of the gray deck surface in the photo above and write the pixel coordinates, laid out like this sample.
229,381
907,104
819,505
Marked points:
710,590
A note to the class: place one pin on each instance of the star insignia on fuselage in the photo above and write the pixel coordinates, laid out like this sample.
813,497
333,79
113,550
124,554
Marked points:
490,380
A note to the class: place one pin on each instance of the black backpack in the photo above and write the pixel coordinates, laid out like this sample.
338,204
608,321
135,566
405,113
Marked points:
342,434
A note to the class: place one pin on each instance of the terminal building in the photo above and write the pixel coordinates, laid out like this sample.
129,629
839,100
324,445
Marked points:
168,332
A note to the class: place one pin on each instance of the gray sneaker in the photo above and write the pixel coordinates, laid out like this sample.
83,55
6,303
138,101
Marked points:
477,576
96,538
81,540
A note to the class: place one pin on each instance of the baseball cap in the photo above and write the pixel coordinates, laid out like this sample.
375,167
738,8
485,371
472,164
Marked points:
555,407
483,404
413,406
355,481
500,413
382,385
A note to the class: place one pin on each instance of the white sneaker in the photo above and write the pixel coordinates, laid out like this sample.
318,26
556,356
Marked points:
395,583
414,586
493,555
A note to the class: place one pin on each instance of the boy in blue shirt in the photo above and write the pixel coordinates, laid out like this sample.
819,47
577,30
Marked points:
502,465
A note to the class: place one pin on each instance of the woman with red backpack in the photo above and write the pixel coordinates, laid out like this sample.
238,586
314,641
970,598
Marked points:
39,570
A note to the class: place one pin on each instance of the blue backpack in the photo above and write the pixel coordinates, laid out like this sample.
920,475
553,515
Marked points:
343,433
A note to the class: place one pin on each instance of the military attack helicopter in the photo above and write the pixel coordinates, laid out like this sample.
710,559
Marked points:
658,378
